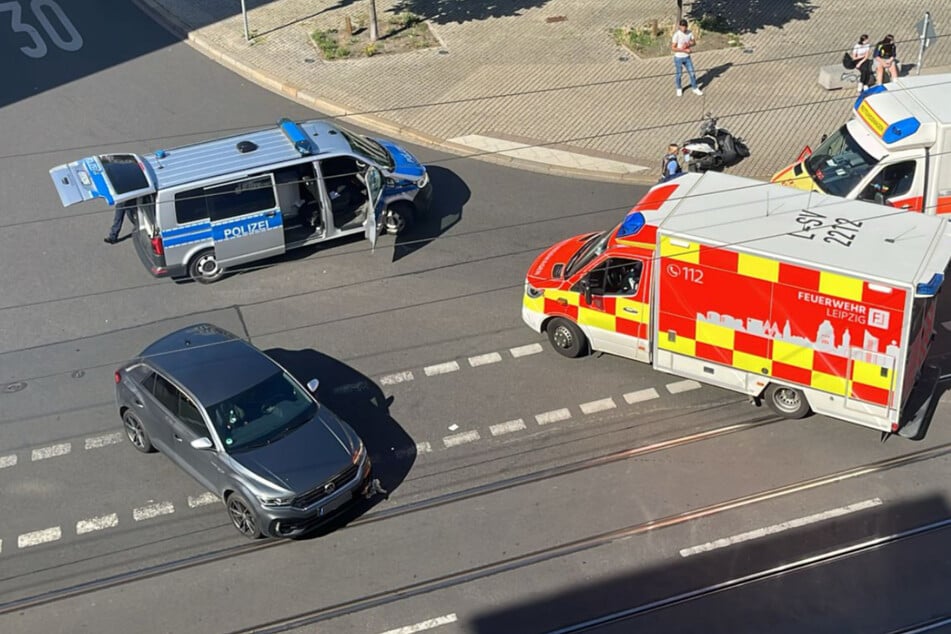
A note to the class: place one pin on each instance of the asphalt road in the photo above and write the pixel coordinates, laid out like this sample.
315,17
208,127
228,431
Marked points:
510,508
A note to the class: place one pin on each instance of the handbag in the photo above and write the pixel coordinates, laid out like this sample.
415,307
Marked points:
847,61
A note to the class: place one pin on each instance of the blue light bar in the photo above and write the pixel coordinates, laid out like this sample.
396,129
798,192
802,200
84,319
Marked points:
901,129
931,287
868,92
297,136
632,224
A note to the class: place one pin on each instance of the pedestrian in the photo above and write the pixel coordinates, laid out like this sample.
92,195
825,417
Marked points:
862,57
670,164
682,44
123,209
885,53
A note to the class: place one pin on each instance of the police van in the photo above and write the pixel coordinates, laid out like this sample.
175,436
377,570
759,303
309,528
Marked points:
201,209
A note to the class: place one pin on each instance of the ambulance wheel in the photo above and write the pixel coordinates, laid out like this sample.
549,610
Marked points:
399,216
204,267
566,338
787,402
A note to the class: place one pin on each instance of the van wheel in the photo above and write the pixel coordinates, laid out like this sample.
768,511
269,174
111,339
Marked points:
204,267
399,217
566,338
787,402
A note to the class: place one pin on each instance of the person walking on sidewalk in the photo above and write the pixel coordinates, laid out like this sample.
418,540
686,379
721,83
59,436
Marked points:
122,210
682,44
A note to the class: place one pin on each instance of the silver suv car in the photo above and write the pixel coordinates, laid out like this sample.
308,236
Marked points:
244,428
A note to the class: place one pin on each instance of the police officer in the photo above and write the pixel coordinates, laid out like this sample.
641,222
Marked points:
670,164
122,210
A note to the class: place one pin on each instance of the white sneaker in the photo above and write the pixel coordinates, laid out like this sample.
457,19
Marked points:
698,92
680,92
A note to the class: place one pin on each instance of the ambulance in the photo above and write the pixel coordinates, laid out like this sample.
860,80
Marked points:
809,302
896,150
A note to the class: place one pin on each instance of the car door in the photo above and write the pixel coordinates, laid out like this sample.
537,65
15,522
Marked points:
374,181
898,185
246,221
614,308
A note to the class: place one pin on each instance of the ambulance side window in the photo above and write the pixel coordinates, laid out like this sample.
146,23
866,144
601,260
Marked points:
892,180
622,276
241,198
190,206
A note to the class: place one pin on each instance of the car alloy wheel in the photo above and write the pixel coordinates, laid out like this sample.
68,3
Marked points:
243,517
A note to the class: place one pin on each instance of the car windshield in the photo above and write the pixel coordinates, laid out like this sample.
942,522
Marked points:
594,247
368,148
262,413
839,164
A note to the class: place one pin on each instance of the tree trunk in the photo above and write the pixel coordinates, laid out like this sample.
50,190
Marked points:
374,29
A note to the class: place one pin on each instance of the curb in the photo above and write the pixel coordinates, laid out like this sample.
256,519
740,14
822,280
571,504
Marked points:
179,29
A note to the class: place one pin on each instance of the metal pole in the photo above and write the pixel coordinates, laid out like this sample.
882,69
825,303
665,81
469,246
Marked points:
922,37
244,13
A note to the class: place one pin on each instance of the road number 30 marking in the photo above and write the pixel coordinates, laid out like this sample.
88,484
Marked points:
42,9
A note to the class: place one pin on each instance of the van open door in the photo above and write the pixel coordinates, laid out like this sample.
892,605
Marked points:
374,182
112,177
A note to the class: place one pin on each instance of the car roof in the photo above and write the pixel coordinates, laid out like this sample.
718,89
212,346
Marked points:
210,362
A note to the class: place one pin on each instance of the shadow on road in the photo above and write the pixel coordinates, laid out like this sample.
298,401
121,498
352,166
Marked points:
450,195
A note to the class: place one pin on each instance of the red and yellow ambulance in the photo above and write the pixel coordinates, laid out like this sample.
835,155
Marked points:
896,150
811,302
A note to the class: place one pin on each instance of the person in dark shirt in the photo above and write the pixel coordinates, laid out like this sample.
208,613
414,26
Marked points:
885,59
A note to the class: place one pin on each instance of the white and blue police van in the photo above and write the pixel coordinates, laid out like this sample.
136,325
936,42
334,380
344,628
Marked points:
201,209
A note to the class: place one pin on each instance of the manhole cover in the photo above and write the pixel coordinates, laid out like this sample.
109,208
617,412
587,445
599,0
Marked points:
16,386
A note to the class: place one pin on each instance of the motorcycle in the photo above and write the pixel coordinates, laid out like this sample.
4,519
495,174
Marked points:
714,149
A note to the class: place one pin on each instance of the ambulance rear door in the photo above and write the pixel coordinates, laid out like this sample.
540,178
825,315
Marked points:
113,177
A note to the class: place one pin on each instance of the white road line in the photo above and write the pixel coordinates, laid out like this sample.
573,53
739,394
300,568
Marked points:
460,439
1,545
8,461
97,523
441,368
641,395
682,386
101,441
423,447
51,452
39,537
524,351
777,528
553,416
149,511
507,427
601,405
485,359
201,500
424,625
396,377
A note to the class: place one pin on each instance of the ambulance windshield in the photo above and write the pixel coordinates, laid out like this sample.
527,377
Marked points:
591,249
839,164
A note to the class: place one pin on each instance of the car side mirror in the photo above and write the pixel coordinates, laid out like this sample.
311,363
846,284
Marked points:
202,443
312,385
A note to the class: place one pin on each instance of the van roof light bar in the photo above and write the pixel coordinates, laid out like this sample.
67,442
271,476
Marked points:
296,135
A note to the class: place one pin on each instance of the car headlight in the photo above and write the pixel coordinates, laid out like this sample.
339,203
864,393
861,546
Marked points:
423,181
275,501
533,292
357,456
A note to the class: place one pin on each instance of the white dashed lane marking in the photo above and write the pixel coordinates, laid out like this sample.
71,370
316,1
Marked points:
8,461
101,441
51,452
396,377
524,351
441,368
507,427
461,439
424,447
424,625
485,359
97,523
39,537
641,395
553,416
202,500
149,511
682,386
598,406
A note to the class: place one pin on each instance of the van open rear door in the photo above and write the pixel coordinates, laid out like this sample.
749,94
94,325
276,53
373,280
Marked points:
112,177
371,228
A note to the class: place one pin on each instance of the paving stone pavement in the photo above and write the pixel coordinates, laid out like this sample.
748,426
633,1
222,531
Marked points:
503,72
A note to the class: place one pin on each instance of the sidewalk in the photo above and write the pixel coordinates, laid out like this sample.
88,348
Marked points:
581,104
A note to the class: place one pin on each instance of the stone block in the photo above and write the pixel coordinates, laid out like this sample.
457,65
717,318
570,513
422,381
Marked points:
835,76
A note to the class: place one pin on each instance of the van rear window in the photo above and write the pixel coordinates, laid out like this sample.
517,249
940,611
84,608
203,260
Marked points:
124,172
